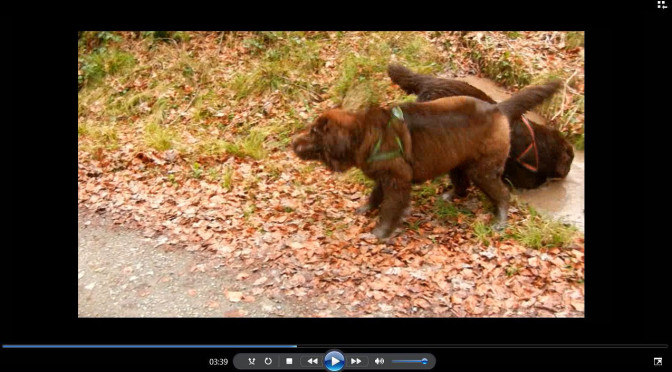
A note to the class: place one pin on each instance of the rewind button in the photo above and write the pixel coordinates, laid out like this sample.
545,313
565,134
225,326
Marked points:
311,361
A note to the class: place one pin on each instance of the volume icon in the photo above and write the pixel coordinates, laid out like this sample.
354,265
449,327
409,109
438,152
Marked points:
379,360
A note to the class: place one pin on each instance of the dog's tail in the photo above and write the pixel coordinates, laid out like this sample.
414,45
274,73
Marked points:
429,87
528,98
408,80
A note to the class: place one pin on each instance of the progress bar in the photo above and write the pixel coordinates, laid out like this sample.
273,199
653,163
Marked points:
148,346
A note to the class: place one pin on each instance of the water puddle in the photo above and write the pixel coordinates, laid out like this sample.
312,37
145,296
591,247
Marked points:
561,199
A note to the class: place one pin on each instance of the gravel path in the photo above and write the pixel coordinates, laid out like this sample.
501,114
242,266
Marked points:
123,274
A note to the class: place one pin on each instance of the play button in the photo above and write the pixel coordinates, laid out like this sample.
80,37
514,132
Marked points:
334,361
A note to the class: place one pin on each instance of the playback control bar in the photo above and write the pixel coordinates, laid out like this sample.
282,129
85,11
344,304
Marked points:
334,360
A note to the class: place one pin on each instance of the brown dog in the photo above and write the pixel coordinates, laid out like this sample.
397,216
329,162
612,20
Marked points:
415,142
538,152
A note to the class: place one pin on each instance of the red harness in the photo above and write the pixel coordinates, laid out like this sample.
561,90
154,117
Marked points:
532,145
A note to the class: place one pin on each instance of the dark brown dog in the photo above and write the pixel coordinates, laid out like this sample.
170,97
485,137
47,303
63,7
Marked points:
420,141
524,168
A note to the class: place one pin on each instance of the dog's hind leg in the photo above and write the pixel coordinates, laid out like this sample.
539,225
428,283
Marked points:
374,201
397,197
460,181
490,182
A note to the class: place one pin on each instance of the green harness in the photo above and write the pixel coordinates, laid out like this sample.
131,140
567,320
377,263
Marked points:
375,156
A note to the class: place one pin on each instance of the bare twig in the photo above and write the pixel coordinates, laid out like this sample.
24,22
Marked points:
551,310
564,95
198,90
571,115
219,51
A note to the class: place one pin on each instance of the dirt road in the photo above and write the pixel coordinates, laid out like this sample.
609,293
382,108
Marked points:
123,274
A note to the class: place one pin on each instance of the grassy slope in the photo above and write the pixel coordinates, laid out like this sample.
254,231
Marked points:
211,95
191,114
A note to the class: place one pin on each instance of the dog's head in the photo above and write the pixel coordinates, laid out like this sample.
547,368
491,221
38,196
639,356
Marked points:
559,153
331,139
565,158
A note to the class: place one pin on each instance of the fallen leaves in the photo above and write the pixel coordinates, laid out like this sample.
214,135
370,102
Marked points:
292,233
233,296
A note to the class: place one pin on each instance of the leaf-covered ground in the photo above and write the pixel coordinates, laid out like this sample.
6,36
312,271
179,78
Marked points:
184,136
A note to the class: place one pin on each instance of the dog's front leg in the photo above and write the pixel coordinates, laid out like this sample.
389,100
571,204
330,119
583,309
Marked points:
374,200
396,198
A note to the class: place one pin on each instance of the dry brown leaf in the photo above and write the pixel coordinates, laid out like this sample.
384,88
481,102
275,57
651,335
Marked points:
234,296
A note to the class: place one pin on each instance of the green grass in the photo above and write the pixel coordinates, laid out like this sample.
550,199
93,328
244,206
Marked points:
552,105
355,75
289,67
579,142
213,175
354,175
283,131
213,147
196,170
310,168
82,128
227,177
274,171
511,270
362,77
512,34
574,39
101,63
167,36
483,232
507,69
249,210
447,210
159,137
252,145
423,193
414,225
99,138
538,232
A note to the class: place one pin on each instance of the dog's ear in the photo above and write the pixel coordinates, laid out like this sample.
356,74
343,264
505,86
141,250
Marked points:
337,142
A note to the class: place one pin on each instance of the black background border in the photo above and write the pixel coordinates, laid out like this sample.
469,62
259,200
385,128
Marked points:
622,285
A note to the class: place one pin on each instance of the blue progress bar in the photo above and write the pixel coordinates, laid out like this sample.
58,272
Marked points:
407,361
146,346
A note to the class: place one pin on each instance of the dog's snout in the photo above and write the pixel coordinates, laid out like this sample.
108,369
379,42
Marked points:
296,143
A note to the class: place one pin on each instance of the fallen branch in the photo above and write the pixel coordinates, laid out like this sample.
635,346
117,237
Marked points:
198,90
564,94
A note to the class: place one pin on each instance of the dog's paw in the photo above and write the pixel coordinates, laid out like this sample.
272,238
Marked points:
368,237
452,195
447,196
363,209
499,226
381,232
